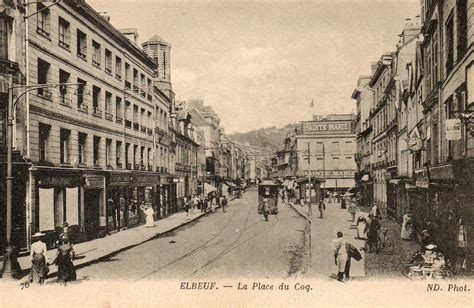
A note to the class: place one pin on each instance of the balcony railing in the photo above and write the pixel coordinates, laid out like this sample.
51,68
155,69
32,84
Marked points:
135,89
83,108
137,166
109,116
97,112
128,85
143,129
108,70
143,167
118,164
149,97
128,123
129,166
118,76
143,93
150,167
118,119
45,94
63,100
96,63
136,126
149,131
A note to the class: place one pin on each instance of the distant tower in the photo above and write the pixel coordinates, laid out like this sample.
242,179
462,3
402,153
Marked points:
159,50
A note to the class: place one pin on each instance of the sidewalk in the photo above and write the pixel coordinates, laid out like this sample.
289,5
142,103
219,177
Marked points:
323,232
384,265
96,250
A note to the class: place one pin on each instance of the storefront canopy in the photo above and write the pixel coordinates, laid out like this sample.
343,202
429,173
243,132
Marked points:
339,183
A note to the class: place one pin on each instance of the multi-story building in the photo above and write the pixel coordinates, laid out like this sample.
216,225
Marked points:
208,121
91,141
384,135
363,128
443,165
325,149
405,56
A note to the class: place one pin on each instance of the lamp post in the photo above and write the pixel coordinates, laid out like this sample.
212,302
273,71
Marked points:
11,267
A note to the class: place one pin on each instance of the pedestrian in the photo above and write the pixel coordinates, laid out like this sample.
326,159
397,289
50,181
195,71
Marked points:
340,255
39,267
343,202
224,203
407,226
302,201
362,221
186,206
64,256
213,202
373,227
375,210
321,208
195,202
149,212
352,210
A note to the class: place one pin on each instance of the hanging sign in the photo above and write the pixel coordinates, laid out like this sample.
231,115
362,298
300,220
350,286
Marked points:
453,129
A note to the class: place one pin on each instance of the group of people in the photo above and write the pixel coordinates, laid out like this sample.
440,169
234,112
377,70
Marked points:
203,203
64,256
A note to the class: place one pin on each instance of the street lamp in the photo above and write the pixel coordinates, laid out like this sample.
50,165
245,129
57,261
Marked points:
11,267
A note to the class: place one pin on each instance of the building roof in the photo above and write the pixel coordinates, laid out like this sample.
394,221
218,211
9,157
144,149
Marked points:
155,39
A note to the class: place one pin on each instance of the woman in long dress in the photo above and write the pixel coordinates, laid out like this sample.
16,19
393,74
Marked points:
149,213
64,256
407,227
39,267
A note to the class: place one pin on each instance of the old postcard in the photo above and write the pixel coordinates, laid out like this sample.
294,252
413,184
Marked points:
236,153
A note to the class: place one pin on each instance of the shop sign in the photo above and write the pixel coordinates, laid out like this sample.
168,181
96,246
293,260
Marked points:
58,181
146,179
453,129
119,178
314,127
332,173
93,182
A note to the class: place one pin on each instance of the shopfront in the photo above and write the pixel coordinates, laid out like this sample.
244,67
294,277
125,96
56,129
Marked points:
95,221
58,199
143,189
117,194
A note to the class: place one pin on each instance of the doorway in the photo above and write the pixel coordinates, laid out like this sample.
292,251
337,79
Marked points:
91,213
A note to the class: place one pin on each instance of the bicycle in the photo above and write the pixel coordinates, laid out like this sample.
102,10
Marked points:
385,241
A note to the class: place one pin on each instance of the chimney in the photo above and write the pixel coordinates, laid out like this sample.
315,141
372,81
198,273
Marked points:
374,66
105,16
131,34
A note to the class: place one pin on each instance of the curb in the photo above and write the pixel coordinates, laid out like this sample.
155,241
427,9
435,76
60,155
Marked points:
297,210
115,252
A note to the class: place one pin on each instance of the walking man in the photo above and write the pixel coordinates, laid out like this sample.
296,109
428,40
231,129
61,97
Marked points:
224,203
352,210
340,255
321,208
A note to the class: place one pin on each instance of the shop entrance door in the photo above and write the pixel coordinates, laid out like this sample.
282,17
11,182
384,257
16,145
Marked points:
91,213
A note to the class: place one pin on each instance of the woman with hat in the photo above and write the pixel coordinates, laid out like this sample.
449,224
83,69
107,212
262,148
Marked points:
39,267
64,256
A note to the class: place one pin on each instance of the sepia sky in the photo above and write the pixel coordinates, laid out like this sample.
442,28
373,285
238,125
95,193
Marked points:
260,63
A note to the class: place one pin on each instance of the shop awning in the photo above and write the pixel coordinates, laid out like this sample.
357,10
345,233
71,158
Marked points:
341,183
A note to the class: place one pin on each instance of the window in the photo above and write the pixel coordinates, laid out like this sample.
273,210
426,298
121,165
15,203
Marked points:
81,44
96,151
64,78
43,78
108,106
43,19
118,154
118,109
96,54
82,148
64,33
135,81
164,63
127,160
96,101
461,26
108,149
108,61
127,76
434,59
5,37
80,94
43,141
64,146
449,45
118,68
135,154
143,86
142,155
